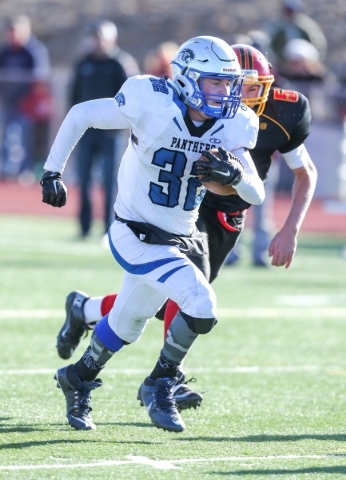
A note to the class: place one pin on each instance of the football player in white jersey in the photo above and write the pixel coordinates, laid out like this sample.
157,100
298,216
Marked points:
172,123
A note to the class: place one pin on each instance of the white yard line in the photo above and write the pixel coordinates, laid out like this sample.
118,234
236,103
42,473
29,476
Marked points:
293,313
257,312
238,369
42,313
161,464
311,300
65,250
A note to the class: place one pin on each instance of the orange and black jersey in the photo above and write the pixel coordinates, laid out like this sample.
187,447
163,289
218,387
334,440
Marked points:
283,126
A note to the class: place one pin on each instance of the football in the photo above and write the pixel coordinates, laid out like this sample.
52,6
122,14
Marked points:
214,187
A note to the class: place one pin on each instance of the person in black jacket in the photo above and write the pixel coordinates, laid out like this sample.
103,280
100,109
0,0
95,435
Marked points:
99,74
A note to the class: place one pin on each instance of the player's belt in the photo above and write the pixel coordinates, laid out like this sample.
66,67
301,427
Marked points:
148,233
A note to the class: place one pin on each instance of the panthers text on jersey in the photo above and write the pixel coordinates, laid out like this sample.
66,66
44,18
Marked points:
157,178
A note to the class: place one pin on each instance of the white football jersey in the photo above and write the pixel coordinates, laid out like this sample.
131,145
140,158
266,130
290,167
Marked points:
157,179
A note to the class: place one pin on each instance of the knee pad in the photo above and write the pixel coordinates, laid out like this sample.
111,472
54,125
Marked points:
199,325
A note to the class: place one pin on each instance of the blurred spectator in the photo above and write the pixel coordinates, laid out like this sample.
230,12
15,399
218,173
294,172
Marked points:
256,38
98,74
304,72
295,24
24,60
128,62
38,107
109,30
338,94
300,47
302,62
261,41
157,61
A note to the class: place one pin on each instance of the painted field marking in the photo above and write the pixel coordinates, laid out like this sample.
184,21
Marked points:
65,250
238,369
311,300
293,313
256,312
163,464
38,313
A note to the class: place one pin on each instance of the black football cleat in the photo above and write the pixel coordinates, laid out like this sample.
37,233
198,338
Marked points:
157,397
78,397
184,396
74,327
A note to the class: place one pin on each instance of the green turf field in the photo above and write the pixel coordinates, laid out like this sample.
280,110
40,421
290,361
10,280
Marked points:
273,370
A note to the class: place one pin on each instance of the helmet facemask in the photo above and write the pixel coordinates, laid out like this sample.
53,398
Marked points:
251,78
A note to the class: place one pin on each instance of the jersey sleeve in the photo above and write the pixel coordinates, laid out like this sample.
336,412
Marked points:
250,133
120,112
250,188
242,130
128,101
299,157
301,130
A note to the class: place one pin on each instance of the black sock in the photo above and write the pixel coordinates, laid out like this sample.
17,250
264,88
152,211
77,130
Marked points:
164,368
86,368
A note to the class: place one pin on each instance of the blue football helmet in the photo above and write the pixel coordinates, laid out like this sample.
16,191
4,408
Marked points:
208,57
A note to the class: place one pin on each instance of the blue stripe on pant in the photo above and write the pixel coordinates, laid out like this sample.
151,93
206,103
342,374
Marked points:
143,268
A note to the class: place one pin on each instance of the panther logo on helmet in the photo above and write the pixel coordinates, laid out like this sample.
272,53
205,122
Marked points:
186,56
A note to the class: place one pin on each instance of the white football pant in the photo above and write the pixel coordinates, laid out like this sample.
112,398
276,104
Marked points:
154,273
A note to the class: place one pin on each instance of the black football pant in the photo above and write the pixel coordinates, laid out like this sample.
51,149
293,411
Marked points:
220,233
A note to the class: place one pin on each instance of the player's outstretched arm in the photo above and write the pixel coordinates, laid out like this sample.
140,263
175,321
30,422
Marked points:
102,113
284,244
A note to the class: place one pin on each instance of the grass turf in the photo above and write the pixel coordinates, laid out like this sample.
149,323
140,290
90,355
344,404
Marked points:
272,371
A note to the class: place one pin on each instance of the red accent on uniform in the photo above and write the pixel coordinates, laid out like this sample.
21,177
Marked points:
107,303
285,95
170,312
246,59
223,220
